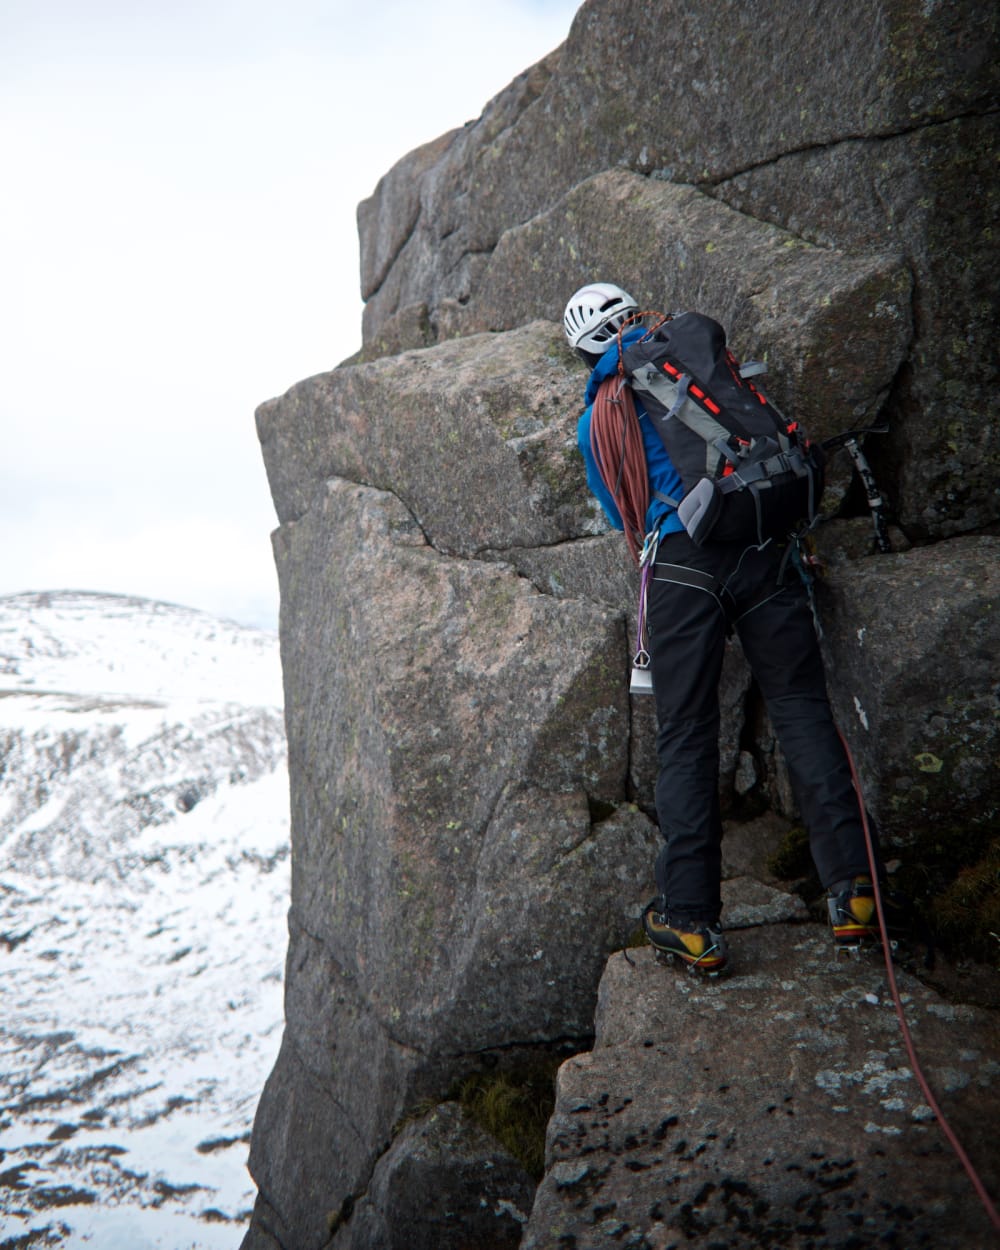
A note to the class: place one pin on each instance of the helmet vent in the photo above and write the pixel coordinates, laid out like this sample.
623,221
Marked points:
594,315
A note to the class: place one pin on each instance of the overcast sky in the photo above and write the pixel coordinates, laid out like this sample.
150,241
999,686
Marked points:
178,243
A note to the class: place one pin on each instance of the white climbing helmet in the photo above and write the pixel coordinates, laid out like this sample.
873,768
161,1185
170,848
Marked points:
594,314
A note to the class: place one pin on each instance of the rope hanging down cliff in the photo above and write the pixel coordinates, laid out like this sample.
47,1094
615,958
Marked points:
977,1183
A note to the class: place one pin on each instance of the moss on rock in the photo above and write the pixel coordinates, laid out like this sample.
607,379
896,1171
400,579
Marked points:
514,1107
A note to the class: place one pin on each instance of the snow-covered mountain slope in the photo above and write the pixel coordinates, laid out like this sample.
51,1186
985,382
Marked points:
143,887
117,714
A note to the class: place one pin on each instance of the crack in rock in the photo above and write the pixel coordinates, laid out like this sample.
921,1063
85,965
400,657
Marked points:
827,145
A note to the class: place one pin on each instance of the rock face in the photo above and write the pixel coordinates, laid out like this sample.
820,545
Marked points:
858,126
410,1201
471,783
681,1127
908,682
449,759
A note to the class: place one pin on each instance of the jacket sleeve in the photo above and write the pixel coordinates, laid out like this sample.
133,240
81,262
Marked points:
594,479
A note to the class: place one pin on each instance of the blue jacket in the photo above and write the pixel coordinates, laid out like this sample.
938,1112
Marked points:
663,477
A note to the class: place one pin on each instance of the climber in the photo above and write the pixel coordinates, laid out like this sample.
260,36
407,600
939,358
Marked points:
696,595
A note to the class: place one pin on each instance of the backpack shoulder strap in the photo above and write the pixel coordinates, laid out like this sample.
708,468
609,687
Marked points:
674,395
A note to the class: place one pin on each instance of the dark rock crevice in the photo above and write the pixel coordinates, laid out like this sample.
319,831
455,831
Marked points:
718,181
525,1048
882,441
265,1232
865,138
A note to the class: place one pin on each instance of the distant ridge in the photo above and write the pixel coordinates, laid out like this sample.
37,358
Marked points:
92,641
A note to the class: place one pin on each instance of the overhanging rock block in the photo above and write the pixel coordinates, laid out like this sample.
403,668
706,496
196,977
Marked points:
442,759
477,437
833,326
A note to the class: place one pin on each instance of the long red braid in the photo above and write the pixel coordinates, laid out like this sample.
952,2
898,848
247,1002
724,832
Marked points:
616,441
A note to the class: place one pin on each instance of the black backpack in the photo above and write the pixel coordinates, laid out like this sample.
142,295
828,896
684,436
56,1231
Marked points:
748,473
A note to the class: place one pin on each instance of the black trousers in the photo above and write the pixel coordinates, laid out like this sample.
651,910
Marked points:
687,635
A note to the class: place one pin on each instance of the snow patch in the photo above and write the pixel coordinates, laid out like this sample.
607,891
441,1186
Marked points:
144,864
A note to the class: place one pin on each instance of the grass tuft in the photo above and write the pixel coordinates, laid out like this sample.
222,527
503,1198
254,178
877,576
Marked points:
967,913
515,1108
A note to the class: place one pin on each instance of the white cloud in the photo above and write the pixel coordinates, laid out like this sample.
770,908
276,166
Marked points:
181,245
194,558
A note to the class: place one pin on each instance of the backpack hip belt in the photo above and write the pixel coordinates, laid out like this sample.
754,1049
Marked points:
760,471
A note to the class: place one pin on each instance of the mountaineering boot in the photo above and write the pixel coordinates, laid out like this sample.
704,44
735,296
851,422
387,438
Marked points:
701,946
853,916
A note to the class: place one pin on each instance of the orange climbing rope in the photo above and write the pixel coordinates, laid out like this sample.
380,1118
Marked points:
616,441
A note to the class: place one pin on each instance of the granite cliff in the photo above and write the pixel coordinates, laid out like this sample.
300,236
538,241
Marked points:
471,784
